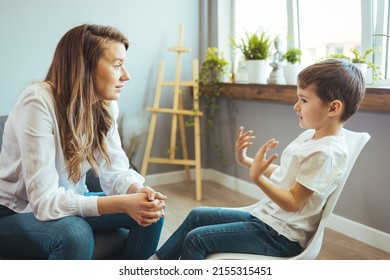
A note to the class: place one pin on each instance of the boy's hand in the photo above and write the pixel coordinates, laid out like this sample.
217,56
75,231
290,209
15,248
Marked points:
261,163
243,141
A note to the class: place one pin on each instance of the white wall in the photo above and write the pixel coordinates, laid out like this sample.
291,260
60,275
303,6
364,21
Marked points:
30,31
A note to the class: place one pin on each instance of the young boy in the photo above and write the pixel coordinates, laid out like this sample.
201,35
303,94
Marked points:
329,93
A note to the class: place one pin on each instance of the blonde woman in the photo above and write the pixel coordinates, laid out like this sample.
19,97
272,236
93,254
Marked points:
59,129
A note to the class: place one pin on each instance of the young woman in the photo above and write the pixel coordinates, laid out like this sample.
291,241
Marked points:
59,129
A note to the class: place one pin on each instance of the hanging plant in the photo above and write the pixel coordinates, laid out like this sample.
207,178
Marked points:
212,73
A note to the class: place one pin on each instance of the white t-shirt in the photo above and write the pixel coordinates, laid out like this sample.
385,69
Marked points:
316,164
33,174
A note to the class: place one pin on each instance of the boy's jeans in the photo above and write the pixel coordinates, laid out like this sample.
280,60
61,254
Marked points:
209,230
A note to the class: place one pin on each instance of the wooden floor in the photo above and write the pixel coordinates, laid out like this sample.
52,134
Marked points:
181,199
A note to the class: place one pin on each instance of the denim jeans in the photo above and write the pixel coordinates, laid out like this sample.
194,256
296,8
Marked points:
210,230
22,236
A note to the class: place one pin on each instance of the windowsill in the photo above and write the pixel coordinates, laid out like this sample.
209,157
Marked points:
376,98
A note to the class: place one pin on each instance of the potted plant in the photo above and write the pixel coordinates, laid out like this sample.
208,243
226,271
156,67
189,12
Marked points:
255,48
214,67
293,65
212,72
361,61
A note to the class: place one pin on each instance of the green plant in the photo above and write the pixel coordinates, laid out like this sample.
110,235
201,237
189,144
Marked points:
211,74
362,58
338,56
254,46
358,57
293,55
213,67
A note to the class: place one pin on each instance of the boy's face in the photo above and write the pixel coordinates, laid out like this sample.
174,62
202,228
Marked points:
311,110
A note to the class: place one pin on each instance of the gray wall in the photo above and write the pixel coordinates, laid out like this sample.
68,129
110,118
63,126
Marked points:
30,31
365,198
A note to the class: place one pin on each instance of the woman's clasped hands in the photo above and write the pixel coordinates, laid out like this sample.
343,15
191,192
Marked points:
149,206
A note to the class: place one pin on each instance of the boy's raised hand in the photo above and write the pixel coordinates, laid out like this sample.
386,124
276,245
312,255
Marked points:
261,163
243,141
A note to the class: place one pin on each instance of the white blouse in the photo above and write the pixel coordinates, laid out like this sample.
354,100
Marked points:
33,174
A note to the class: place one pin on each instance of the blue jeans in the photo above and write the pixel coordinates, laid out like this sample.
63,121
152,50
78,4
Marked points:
22,236
210,230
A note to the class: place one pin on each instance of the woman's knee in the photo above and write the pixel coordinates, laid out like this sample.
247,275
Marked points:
160,223
75,234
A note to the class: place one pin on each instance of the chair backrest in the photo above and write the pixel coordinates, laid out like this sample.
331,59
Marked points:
356,142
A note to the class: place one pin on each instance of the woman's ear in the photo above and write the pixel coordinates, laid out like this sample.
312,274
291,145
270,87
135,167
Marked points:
335,108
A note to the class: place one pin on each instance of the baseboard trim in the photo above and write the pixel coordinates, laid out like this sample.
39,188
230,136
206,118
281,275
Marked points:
363,233
166,178
233,183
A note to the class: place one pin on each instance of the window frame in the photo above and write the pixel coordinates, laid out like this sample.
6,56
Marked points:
375,15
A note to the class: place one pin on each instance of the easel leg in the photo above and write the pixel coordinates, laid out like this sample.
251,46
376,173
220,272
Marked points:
149,142
198,169
197,160
184,139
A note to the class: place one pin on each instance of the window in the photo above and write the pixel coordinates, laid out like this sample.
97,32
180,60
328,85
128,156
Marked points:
252,15
328,27
381,30
320,28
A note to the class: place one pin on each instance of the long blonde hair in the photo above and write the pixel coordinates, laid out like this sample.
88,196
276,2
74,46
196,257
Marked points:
83,122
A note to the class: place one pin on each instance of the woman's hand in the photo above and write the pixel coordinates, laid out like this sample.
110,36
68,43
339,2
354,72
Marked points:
142,203
152,194
143,210
261,163
151,212
243,141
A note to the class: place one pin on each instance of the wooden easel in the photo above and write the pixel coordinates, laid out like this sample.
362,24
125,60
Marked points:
178,112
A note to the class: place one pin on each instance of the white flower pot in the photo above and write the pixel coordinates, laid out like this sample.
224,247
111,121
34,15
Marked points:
291,72
363,68
257,71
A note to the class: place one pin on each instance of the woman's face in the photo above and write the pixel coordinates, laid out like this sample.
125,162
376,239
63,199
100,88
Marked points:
110,74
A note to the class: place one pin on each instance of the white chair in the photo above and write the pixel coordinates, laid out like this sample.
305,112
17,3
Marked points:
356,141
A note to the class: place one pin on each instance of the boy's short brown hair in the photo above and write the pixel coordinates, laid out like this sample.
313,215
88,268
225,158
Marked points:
335,79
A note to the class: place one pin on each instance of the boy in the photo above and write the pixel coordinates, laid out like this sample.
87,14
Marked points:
329,93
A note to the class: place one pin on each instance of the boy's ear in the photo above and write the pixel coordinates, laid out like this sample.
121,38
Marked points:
335,108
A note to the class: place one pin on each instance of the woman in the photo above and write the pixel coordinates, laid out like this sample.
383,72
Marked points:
58,130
